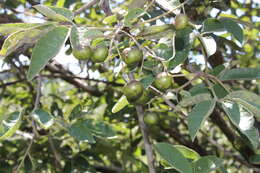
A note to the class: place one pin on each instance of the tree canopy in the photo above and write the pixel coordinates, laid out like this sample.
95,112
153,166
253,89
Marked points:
129,86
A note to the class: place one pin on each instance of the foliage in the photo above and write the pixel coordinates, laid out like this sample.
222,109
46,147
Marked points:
62,114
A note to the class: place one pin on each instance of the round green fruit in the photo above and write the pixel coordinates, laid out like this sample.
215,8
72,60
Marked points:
181,21
151,118
132,57
163,81
145,98
82,54
133,90
100,54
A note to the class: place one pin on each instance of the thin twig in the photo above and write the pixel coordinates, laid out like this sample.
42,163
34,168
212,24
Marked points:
166,13
55,152
86,6
35,133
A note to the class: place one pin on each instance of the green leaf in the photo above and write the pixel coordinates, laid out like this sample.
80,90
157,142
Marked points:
182,47
80,130
147,80
43,118
46,48
212,25
55,13
240,74
249,100
232,27
155,31
9,28
207,164
121,103
64,12
187,152
243,120
110,19
9,125
198,115
220,91
255,159
189,101
164,51
76,112
74,38
21,37
133,15
93,33
101,129
174,157
215,71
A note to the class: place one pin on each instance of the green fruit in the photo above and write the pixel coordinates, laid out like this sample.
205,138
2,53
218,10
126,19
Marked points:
151,118
100,54
145,98
82,54
133,90
181,21
133,57
163,81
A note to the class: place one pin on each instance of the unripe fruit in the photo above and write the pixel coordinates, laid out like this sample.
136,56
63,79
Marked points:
163,81
82,54
151,118
100,54
145,98
181,21
133,90
132,57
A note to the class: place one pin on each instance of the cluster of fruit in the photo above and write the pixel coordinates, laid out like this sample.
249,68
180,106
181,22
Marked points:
133,57
97,55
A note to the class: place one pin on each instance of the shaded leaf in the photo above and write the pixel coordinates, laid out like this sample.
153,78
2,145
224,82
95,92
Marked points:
189,101
212,25
232,27
80,131
120,104
147,80
198,115
182,47
164,51
44,51
76,112
240,74
133,15
9,125
43,118
255,159
173,157
207,164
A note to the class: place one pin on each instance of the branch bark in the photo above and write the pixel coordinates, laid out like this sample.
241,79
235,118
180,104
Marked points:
147,144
